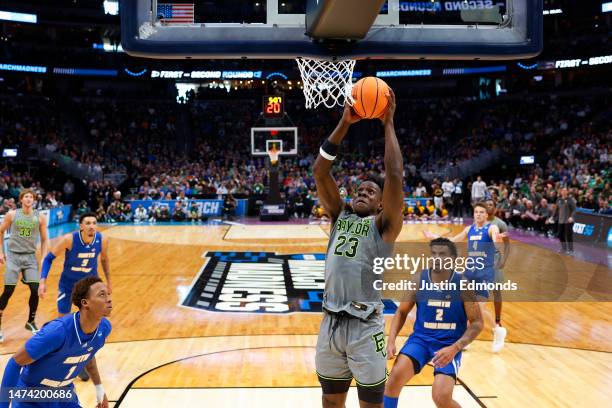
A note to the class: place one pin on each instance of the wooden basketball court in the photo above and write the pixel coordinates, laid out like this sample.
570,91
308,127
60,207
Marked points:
161,354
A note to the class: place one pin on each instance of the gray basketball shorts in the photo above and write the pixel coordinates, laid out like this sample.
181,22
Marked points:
350,348
21,263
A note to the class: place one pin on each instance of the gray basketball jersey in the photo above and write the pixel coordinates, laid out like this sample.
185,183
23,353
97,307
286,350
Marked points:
349,280
24,232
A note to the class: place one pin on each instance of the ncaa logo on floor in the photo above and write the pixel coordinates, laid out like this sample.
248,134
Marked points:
261,282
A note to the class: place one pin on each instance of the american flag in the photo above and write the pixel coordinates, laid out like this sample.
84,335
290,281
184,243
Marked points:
175,13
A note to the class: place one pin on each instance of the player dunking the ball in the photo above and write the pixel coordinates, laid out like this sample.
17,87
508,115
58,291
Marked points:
25,225
441,329
52,358
351,342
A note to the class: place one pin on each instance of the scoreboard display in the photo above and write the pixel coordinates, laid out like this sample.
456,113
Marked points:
273,106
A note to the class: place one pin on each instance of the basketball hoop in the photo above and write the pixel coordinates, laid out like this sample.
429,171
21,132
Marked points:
327,83
273,154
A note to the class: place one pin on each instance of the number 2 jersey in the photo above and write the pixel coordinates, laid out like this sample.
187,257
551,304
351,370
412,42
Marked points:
61,349
82,260
440,314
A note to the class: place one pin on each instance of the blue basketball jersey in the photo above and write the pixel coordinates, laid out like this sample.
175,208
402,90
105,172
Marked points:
82,260
480,245
61,349
440,314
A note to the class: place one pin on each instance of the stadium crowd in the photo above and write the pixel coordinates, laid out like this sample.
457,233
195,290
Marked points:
173,152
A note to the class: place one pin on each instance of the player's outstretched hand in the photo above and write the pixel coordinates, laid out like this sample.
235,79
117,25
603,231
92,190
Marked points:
109,288
390,113
104,403
42,289
2,259
391,351
444,356
349,115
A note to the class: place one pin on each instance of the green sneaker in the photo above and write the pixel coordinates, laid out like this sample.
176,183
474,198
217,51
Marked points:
31,326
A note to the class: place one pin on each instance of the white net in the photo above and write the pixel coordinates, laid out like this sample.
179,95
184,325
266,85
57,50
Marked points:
327,83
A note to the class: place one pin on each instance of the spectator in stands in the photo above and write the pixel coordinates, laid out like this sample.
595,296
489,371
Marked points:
194,213
164,213
140,214
544,221
179,213
479,188
154,213
564,214
528,216
457,197
229,207
420,190
83,208
126,211
438,194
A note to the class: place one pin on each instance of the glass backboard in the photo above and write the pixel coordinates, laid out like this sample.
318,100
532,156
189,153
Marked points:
457,29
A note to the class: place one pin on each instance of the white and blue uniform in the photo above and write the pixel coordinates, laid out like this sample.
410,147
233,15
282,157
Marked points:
61,350
481,249
80,262
440,321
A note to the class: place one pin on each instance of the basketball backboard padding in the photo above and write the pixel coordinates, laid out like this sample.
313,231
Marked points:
341,19
519,36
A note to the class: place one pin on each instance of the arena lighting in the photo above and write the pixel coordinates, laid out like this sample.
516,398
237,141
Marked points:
135,74
276,74
606,7
108,47
404,73
23,68
18,17
111,7
480,70
527,67
85,71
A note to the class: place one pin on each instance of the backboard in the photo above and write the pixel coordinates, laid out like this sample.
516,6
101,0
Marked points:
284,139
457,29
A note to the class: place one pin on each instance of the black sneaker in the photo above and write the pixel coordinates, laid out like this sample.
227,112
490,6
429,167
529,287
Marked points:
83,375
31,326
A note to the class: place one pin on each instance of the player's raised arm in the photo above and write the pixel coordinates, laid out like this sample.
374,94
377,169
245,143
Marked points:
327,189
6,224
390,219
64,244
104,259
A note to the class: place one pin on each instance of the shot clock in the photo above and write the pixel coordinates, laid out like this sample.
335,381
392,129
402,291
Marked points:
273,106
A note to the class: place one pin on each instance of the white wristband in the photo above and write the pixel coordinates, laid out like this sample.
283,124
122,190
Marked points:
99,393
326,155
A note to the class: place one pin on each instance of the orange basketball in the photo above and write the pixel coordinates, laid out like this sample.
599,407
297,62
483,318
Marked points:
370,95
